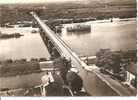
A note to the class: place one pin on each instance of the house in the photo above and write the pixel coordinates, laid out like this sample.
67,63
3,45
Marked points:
51,84
131,70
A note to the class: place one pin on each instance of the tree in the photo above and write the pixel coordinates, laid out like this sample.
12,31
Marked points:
109,60
64,65
116,58
54,89
104,58
75,82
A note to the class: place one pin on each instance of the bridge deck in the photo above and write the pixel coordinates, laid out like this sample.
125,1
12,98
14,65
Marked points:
94,82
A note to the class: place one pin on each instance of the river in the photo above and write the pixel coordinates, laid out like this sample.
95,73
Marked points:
118,35
28,46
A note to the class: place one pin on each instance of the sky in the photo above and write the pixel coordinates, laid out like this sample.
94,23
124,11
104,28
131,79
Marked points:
31,1
50,1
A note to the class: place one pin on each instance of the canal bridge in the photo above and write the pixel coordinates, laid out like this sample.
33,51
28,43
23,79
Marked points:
94,82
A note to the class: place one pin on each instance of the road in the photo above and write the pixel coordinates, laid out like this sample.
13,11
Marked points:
94,82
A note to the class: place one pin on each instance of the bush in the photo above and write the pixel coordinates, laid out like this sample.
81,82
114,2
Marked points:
75,82
18,68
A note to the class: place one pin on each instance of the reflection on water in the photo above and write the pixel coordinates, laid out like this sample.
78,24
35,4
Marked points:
117,35
27,46
77,33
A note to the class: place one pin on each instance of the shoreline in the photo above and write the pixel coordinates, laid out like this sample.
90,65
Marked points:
21,74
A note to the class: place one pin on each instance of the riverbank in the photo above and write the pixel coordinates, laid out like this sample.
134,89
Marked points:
18,68
96,9
21,81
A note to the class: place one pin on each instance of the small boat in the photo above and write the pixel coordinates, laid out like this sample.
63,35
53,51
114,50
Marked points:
33,31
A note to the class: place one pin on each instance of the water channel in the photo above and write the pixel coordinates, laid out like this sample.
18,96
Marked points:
117,35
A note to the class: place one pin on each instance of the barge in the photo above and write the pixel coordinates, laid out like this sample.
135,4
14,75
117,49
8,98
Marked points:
79,28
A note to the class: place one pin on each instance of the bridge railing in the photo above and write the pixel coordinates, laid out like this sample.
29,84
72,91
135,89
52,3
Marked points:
52,34
94,80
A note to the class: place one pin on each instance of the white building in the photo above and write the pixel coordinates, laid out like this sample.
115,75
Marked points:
131,70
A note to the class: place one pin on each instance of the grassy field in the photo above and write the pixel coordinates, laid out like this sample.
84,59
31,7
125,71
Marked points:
90,8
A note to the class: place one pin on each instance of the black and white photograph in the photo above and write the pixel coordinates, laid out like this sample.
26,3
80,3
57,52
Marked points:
68,48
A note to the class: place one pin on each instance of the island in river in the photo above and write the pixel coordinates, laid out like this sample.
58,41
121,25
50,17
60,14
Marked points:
7,36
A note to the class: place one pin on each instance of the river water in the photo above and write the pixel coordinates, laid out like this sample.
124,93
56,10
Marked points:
28,46
118,35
